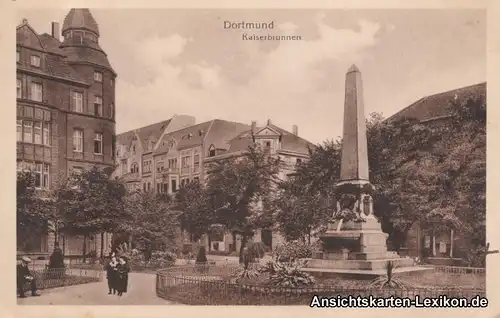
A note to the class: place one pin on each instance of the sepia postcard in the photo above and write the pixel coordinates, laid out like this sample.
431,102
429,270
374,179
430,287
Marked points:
270,160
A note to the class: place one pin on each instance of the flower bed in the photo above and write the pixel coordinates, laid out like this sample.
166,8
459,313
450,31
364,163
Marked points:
189,286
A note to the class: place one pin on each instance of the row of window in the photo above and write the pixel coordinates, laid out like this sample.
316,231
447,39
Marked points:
78,142
36,94
36,91
37,114
77,104
163,187
171,164
35,62
41,172
80,34
35,132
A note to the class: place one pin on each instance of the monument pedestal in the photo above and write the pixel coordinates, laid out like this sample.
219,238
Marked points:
356,248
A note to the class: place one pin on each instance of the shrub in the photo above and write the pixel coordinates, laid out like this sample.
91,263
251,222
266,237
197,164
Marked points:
389,281
201,261
245,273
137,259
160,259
201,257
92,256
291,251
256,249
287,274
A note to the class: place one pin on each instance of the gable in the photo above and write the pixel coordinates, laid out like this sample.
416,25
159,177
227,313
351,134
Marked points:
267,131
26,36
134,144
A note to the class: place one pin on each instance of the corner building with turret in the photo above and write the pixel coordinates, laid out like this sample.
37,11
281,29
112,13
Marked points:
65,111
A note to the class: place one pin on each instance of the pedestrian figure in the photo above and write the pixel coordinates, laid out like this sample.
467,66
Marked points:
111,274
24,276
123,269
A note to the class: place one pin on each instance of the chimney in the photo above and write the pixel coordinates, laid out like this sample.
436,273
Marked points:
269,122
254,126
295,130
55,30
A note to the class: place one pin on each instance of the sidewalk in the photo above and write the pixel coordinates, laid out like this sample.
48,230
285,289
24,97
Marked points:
141,291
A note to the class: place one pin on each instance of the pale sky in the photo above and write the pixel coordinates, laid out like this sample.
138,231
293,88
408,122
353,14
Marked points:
184,62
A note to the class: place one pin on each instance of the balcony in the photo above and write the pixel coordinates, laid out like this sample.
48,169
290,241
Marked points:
196,169
131,176
167,171
186,170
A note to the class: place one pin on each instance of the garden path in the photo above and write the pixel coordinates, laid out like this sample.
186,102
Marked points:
141,291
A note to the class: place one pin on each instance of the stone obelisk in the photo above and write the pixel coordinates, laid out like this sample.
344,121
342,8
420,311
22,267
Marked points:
354,163
362,235
354,172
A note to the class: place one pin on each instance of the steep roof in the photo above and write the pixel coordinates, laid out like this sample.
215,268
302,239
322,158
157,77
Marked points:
185,137
216,131
55,63
80,19
436,105
147,133
51,44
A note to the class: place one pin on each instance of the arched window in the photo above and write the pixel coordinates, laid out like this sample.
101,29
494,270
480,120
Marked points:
134,168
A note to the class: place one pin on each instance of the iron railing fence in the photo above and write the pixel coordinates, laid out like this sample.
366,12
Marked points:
215,285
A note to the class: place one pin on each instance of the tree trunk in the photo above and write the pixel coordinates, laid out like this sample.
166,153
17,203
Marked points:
102,244
244,240
85,248
234,242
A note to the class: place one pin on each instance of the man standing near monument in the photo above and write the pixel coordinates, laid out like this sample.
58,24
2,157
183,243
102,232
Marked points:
24,276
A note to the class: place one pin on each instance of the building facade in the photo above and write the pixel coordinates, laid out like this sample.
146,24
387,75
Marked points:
65,109
164,156
277,142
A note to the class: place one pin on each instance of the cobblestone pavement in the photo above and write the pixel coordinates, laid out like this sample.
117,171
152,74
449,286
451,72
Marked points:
141,291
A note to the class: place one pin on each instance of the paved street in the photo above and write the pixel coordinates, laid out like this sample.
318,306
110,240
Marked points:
141,291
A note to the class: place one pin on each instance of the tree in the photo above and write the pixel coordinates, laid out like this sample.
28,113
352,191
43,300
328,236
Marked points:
33,212
195,213
305,202
154,223
239,189
91,203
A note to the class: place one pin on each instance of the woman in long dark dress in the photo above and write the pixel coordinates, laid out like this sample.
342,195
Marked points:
122,275
111,273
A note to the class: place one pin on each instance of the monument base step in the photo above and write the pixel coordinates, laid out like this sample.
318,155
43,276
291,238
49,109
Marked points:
377,264
373,255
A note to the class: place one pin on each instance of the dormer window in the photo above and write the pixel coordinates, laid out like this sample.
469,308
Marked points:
201,132
98,77
189,136
35,61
